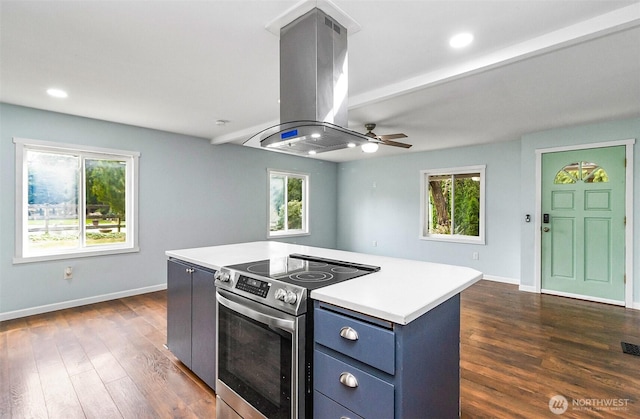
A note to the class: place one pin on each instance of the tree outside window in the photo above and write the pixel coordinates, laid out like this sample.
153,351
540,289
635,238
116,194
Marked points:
288,195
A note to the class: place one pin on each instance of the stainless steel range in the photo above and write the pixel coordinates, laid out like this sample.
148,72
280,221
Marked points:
265,334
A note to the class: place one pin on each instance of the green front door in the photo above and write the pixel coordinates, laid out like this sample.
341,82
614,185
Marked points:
583,231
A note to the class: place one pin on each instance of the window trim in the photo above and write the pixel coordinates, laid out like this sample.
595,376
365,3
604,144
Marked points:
454,238
305,231
21,193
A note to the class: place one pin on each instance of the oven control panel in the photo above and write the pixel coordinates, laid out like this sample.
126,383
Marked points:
253,286
268,291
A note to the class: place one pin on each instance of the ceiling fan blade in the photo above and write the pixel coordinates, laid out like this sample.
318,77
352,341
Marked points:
396,144
391,136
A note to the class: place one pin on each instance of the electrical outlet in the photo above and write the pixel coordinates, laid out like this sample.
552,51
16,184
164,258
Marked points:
475,256
375,243
68,272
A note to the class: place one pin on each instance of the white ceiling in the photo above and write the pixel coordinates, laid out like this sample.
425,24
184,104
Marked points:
181,65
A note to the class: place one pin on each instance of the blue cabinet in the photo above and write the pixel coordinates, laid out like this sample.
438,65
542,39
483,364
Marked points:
179,310
191,318
370,368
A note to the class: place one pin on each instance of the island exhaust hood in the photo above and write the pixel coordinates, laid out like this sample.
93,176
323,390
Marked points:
313,89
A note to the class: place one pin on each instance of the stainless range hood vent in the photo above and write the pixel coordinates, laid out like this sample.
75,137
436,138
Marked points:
313,89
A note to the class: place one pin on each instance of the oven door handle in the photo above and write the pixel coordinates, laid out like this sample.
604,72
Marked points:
256,311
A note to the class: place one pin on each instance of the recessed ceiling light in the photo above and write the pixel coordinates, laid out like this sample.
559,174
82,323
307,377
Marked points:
461,40
316,135
57,93
222,122
369,147
312,152
351,145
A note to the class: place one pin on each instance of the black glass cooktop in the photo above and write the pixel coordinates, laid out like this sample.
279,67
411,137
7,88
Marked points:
305,271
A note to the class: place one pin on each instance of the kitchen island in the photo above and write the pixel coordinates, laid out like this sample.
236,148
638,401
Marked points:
386,343
400,292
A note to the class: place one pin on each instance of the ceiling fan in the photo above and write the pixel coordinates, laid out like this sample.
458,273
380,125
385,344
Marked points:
386,139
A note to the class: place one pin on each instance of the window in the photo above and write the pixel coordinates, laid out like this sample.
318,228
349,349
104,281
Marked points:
452,204
581,171
288,203
73,201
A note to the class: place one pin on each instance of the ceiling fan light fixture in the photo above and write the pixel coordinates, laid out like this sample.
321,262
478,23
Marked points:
461,40
370,147
59,93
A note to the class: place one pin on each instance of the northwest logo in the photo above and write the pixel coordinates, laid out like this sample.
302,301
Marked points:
558,404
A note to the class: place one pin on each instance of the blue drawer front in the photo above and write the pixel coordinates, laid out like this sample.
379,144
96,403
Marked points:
375,345
372,398
325,408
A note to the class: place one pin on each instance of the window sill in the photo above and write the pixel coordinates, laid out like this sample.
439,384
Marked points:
454,239
74,255
279,235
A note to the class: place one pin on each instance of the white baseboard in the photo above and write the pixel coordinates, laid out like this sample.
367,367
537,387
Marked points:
501,279
528,288
16,314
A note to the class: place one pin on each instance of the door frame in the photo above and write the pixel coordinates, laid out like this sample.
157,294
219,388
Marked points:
628,269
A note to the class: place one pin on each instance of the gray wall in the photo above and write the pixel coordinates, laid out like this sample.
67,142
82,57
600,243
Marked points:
194,194
389,213
191,194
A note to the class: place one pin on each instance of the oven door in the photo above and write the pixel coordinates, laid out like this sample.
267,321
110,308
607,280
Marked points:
260,359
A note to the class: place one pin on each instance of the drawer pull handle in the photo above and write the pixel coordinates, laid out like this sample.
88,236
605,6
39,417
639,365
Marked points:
348,333
348,380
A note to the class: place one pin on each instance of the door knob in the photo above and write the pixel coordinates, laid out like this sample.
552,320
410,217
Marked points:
546,229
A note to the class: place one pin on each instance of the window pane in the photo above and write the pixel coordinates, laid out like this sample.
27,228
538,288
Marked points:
439,203
598,176
276,203
52,210
105,202
294,203
564,177
467,204
592,173
581,171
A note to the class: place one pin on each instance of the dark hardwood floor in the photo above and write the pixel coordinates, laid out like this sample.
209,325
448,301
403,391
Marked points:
103,360
518,350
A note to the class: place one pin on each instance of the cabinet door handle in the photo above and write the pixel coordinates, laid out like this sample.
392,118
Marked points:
348,380
349,333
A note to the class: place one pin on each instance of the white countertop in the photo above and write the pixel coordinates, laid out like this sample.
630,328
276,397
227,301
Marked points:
400,292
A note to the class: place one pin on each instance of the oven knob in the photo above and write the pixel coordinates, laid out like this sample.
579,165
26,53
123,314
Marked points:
280,294
291,297
286,296
222,276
